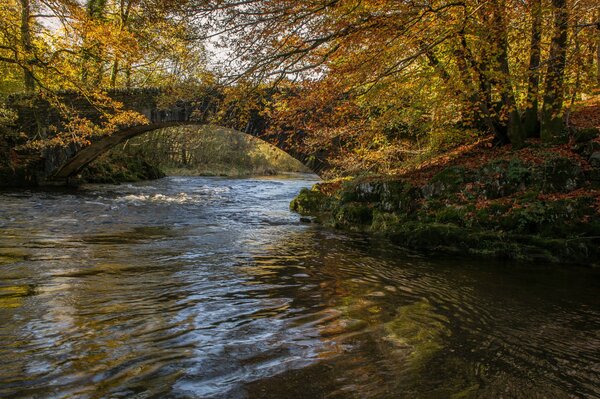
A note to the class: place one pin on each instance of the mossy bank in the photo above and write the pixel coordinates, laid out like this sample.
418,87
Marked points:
535,204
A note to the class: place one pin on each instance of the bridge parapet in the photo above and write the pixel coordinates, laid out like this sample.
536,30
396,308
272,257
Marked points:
36,113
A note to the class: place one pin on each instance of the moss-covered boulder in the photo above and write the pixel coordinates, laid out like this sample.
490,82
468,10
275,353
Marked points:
503,177
594,159
310,202
583,135
559,174
449,180
353,214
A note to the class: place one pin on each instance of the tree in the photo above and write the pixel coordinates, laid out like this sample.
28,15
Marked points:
377,81
552,125
28,79
58,45
469,51
531,123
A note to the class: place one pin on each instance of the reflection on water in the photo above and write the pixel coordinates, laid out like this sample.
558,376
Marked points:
210,288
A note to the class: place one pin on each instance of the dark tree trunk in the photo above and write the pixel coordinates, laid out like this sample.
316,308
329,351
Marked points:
28,78
514,127
598,48
530,120
435,63
477,95
552,124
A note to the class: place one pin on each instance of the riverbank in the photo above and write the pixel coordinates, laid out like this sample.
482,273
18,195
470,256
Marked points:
538,203
226,171
115,168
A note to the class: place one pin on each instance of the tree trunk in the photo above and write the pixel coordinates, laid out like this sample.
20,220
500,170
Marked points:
552,124
531,123
475,92
128,76
515,131
577,65
28,78
435,63
598,48
114,72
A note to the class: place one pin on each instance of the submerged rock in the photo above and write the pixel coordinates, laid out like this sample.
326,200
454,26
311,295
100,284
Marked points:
419,330
343,326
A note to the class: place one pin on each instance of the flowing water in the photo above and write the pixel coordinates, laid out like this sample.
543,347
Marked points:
210,288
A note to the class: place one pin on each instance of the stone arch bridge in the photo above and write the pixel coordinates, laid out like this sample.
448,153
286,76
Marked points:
59,165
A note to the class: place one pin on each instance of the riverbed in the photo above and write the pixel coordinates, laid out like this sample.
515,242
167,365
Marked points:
192,287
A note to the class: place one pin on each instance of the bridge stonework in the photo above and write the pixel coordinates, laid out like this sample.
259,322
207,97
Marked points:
59,165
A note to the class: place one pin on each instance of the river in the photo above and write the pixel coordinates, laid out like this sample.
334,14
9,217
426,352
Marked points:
191,287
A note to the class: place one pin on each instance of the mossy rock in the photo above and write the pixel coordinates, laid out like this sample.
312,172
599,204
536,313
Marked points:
582,250
530,219
450,180
559,175
528,226
399,196
452,214
419,330
352,214
489,216
362,192
586,149
430,236
595,159
561,218
582,135
310,202
389,196
501,178
383,221
452,176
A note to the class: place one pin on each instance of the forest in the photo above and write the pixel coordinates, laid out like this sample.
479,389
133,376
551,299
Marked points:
387,82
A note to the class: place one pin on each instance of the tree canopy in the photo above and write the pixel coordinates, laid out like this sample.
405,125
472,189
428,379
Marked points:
373,82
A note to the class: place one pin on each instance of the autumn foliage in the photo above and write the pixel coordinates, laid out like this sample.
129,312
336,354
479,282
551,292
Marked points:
374,84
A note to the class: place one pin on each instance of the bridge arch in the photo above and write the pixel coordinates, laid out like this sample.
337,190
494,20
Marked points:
58,165
82,158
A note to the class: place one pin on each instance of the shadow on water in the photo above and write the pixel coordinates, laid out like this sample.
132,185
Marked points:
135,235
211,288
